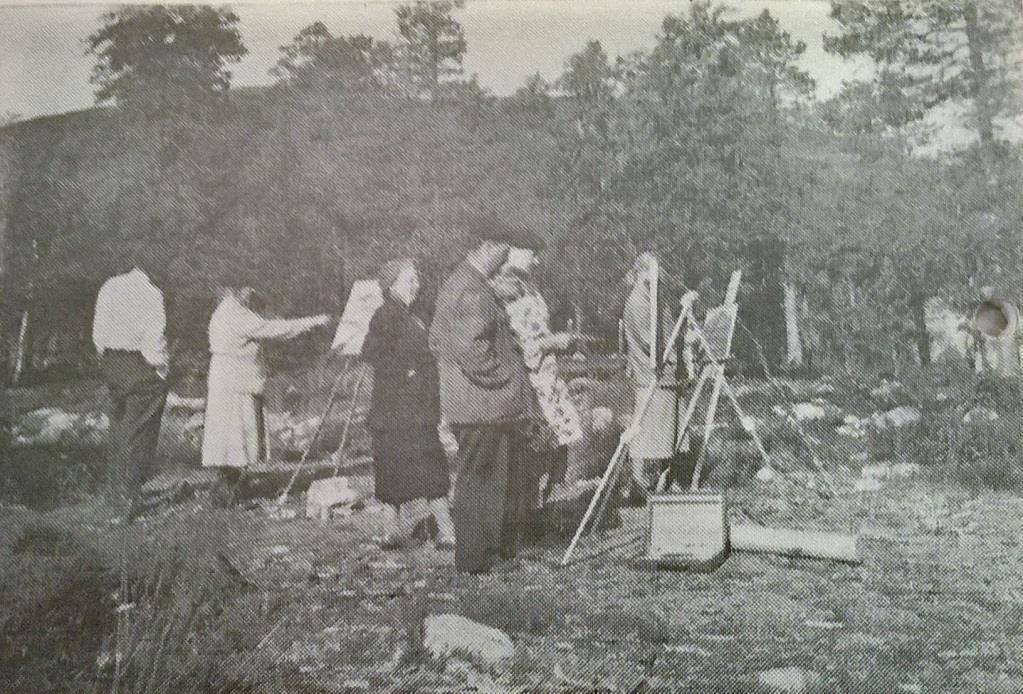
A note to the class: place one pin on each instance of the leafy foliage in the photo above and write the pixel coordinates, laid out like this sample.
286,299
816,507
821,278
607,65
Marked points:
933,52
318,60
432,42
164,58
706,148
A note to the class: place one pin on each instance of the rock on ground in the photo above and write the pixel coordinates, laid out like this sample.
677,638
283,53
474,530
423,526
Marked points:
788,679
448,634
323,495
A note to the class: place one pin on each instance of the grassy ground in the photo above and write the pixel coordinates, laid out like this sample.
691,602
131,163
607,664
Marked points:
236,601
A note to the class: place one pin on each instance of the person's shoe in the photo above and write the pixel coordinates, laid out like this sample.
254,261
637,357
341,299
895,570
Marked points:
390,543
506,566
445,544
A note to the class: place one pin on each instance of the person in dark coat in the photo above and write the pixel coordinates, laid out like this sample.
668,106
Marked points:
485,400
409,461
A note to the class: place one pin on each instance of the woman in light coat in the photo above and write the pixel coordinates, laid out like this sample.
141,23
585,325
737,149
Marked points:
233,435
656,441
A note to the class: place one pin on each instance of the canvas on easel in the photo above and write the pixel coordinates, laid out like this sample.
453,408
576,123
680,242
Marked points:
363,301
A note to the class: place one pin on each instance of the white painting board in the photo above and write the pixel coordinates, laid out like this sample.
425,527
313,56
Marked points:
718,329
363,301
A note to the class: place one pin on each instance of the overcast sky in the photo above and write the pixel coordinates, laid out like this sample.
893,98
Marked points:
44,69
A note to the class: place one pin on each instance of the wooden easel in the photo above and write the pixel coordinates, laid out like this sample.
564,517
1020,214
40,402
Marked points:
717,347
715,336
641,406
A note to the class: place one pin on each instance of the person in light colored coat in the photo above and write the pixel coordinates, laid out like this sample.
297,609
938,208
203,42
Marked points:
233,434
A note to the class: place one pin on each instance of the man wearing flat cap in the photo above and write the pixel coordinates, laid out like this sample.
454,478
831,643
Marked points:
485,395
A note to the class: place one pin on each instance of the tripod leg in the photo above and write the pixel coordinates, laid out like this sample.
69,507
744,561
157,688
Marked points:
730,394
708,423
616,460
339,455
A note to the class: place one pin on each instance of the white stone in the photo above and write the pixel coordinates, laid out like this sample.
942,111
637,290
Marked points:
324,495
749,423
867,484
903,416
788,679
877,472
51,425
765,474
448,634
808,411
904,470
886,389
980,414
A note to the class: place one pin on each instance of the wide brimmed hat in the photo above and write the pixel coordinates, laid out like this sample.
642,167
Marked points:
491,227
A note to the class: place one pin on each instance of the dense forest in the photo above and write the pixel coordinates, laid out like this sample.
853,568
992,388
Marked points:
710,148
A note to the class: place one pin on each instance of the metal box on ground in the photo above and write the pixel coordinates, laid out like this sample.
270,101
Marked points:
686,530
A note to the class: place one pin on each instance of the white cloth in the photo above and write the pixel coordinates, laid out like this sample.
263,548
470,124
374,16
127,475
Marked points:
130,316
232,432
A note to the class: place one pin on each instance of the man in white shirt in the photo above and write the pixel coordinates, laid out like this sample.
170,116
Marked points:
129,333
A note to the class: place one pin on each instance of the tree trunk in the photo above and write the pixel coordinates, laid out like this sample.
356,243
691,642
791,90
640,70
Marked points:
19,355
793,343
985,117
923,340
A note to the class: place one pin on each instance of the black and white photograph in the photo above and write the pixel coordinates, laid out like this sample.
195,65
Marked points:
511,346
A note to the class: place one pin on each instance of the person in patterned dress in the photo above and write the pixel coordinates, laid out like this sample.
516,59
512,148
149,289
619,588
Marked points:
555,423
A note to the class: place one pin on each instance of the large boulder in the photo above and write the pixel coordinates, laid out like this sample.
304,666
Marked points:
445,635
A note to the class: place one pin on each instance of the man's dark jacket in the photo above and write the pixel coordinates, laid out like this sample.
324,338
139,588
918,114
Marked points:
483,378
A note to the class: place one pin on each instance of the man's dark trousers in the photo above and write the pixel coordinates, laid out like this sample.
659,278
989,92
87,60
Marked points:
137,398
489,497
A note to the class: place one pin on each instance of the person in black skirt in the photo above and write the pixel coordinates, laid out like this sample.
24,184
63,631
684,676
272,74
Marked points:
408,458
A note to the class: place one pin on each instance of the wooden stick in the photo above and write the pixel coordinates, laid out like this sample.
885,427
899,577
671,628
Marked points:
795,543
653,273
348,420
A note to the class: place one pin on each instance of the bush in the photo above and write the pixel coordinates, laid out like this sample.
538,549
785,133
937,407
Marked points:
956,438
